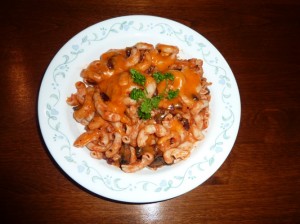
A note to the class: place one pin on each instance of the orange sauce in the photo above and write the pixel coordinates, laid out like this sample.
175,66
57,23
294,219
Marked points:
176,126
161,62
116,92
186,81
116,82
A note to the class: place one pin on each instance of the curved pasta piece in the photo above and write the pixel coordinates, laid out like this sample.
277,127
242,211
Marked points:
199,121
197,132
205,115
87,111
144,133
87,137
133,157
94,72
81,91
134,57
145,63
150,87
131,112
96,155
77,98
102,109
198,106
146,160
169,141
189,102
132,133
98,122
144,46
115,146
167,49
125,139
72,100
118,127
174,154
96,148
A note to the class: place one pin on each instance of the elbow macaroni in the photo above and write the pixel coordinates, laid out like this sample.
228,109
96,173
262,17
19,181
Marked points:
115,131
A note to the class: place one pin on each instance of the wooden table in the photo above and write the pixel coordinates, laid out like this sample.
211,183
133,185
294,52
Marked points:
260,180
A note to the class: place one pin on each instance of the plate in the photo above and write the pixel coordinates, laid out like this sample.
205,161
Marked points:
59,129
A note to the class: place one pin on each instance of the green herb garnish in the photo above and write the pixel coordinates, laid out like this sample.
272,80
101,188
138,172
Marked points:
172,94
158,76
143,115
148,104
137,77
137,94
169,76
155,101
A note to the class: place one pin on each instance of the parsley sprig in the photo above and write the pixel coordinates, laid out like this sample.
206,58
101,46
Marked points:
137,77
158,76
137,94
172,94
148,104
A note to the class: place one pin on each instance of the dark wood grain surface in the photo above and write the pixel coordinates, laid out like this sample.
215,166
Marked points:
260,180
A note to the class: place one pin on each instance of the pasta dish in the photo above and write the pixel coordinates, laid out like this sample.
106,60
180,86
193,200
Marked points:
141,106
